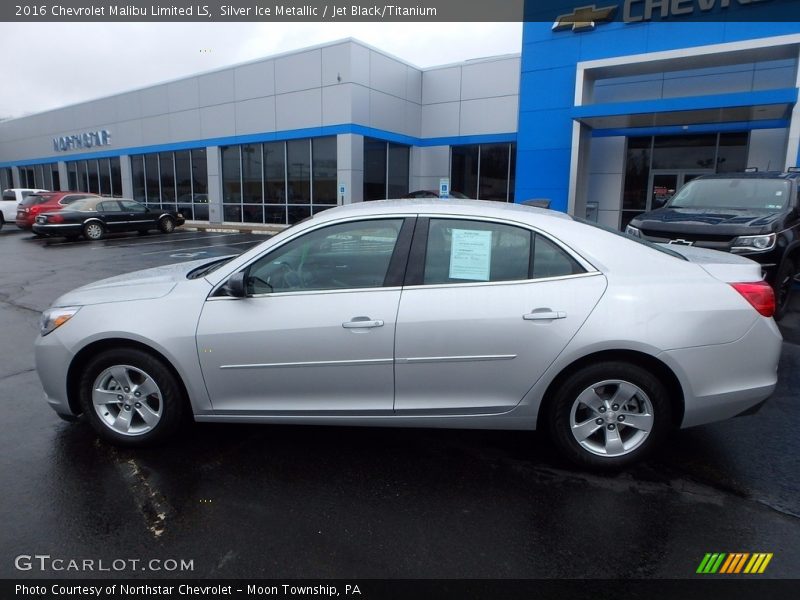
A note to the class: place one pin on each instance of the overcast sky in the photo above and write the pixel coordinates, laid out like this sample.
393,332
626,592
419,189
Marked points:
48,65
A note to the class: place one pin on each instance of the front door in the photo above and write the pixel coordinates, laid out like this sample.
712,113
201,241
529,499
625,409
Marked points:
664,183
315,334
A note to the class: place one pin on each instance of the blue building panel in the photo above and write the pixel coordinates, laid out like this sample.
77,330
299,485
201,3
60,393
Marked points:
548,79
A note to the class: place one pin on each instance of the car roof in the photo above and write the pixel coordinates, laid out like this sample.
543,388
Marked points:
450,206
786,175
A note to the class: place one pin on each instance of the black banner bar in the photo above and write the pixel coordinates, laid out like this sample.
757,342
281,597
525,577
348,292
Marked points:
550,11
701,588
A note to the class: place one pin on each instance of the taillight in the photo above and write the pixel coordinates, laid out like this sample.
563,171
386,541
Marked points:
55,219
35,210
759,294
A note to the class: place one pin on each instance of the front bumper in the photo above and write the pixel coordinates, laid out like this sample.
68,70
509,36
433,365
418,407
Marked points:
52,364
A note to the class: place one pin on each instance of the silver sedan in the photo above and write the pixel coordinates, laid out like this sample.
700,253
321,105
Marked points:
424,313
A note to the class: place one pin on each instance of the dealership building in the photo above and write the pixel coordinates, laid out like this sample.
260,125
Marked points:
603,119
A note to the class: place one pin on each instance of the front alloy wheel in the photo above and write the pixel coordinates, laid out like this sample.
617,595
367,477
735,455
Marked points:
131,397
166,225
127,400
609,414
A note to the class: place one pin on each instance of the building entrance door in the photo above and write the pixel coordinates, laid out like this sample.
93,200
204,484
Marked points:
664,183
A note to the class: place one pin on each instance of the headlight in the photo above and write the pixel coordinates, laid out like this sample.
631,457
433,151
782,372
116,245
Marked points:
180,215
757,243
53,318
631,230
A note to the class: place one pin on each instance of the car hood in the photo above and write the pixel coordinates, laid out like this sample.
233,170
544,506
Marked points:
663,218
138,285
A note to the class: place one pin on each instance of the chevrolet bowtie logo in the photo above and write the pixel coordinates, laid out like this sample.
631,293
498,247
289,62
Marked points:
584,18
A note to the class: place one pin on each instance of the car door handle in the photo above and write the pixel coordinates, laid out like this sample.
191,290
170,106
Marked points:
544,314
362,323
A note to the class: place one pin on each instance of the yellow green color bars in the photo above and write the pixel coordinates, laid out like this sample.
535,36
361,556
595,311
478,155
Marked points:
734,563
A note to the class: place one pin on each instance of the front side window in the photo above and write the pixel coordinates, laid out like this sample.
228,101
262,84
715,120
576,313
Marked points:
133,207
344,256
462,251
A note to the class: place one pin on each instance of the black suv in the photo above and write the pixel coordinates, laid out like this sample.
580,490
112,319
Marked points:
756,215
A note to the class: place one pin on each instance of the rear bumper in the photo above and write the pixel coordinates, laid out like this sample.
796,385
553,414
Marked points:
727,380
57,229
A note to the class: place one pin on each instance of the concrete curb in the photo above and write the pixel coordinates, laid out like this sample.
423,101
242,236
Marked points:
255,228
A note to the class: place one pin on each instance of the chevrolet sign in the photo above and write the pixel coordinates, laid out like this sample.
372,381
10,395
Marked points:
88,139
584,18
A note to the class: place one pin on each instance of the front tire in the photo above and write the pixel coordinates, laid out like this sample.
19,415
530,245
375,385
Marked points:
131,398
784,282
166,225
93,231
609,415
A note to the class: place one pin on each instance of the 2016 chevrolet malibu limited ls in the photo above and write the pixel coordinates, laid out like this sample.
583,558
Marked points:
424,313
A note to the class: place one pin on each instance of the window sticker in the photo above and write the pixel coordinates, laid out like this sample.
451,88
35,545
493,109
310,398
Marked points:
470,254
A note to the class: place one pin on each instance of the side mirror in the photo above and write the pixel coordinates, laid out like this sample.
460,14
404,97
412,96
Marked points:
235,286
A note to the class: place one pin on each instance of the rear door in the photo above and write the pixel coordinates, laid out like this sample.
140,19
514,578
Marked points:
489,307
111,213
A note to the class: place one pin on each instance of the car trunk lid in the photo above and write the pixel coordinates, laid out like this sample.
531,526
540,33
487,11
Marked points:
730,268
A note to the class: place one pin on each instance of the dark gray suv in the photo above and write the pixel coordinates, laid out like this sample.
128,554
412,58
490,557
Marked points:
756,215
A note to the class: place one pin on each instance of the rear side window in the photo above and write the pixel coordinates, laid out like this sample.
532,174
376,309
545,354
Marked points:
474,251
549,260
9,196
111,206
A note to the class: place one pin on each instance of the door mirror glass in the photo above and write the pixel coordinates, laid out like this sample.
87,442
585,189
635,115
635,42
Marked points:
235,286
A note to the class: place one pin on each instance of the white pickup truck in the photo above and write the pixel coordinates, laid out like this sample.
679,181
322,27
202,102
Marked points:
9,201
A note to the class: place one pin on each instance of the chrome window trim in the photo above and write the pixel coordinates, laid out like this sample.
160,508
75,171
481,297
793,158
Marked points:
429,286
396,288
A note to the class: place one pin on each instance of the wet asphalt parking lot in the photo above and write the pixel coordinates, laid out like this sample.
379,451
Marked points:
289,501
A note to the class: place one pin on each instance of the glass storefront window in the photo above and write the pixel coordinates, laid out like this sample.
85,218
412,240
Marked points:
152,186
464,170
116,177
275,174
105,176
167,179
323,152
299,170
137,174
252,175
397,186
374,169
494,172
385,169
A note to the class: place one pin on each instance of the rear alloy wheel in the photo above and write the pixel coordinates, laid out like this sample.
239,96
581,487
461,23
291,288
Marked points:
130,397
610,415
166,225
784,282
93,231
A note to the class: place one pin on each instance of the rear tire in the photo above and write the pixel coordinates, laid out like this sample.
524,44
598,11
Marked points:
2,221
166,225
784,282
93,231
609,415
131,398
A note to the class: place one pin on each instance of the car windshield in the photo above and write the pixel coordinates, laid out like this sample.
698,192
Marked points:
735,193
